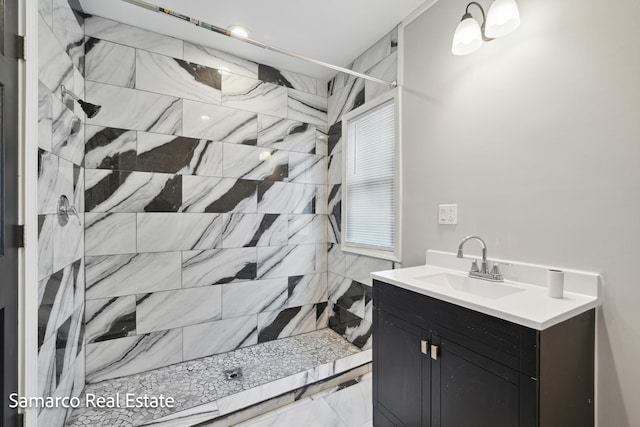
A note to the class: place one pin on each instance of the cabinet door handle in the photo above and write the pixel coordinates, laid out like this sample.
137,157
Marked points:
424,346
434,351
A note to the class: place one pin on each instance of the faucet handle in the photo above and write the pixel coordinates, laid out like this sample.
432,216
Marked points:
474,266
495,272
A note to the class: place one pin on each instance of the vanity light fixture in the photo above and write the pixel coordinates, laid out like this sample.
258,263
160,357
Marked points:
502,19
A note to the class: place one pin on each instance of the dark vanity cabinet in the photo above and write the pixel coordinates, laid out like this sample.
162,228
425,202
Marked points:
438,364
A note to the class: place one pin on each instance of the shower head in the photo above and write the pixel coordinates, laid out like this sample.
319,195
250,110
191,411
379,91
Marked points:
91,110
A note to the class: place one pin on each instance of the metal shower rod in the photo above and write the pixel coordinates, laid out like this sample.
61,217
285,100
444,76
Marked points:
224,32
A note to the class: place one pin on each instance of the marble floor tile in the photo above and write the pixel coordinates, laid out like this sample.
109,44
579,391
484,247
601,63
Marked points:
353,404
310,413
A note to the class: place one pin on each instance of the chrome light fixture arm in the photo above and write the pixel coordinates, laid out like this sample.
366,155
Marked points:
467,14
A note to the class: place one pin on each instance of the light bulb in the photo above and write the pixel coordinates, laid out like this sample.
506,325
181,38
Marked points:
467,38
239,31
503,18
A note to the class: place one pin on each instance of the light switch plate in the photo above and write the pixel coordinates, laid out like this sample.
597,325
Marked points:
448,214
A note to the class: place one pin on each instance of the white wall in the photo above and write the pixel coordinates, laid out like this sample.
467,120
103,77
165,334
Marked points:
536,137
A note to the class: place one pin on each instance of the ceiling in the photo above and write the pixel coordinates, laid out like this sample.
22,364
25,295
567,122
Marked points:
334,31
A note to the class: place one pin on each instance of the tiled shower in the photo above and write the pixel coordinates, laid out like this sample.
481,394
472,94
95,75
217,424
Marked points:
208,190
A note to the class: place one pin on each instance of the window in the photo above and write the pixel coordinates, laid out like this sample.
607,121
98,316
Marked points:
370,189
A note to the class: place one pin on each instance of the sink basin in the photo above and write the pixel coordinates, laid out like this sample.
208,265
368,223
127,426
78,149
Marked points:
481,288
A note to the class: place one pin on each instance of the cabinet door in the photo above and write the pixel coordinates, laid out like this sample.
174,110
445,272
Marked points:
398,370
471,390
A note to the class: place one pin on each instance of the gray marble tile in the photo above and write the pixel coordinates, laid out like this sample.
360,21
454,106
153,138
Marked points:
45,245
335,170
359,268
285,197
159,232
283,134
348,294
247,230
287,322
131,355
45,8
223,61
54,66
67,134
284,261
241,299
173,309
135,109
109,234
387,69
112,63
257,163
110,148
344,100
288,79
218,266
127,35
175,77
45,118
205,194
78,188
307,108
335,139
115,191
68,27
244,93
176,154
308,289
110,318
218,123
119,275
307,229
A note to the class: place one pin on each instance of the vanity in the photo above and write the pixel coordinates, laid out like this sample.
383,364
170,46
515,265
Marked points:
455,351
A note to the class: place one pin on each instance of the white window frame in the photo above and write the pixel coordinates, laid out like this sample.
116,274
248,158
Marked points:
367,250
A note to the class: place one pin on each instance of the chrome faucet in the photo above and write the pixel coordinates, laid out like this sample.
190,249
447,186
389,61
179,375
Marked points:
483,272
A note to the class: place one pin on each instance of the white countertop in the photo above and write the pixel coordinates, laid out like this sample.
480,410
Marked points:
531,307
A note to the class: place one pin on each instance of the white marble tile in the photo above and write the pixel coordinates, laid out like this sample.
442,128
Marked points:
286,322
205,194
298,167
353,404
283,134
127,35
307,229
109,234
241,299
112,63
45,8
45,245
246,230
67,133
288,79
192,417
118,275
387,69
284,261
135,109
54,66
345,100
348,294
110,148
68,242
307,289
220,336
174,309
323,88
130,355
359,268
335,170
175,77
248,94
285,197
218,266
68,27
219,60
110,318
47,367
159,232
307,108
79,89
257,163
337,260
344,364
322,143
45,117
218,123
376,53
115,191
321,199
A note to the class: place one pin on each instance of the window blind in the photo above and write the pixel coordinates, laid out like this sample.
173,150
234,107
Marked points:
370,179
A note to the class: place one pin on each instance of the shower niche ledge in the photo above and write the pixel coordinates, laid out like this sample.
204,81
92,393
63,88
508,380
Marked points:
229,388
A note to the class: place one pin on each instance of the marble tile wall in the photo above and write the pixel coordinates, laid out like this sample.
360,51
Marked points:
206,201
349,285
61,328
